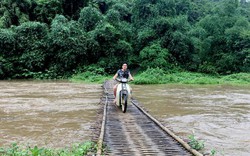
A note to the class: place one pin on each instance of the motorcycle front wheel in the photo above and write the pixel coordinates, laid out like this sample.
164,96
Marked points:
124,104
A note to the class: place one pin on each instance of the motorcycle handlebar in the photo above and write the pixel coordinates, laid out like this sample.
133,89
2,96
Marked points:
119,80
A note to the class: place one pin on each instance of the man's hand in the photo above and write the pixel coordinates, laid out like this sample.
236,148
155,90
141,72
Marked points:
115,76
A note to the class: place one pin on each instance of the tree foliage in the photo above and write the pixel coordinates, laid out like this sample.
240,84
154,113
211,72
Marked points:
154,56
57,38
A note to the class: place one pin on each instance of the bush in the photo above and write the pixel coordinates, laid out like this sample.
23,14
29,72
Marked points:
239,78
92,73
208,68
151,76
159,76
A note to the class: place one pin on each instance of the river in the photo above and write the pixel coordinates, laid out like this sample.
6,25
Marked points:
59,113
219,115
47,113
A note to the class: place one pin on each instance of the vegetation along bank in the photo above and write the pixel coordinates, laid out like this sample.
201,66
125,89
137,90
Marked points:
47,39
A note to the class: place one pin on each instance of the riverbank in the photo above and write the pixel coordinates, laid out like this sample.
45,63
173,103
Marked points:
86,148
159,76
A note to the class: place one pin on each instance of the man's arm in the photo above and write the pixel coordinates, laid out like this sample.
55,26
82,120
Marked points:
131,77
115,76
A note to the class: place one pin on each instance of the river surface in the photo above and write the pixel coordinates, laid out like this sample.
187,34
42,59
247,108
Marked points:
50,114
59,113
220,115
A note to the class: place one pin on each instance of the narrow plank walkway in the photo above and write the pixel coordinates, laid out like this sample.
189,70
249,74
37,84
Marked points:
133,133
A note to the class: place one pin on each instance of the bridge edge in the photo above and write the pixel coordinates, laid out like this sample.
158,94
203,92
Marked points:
178,139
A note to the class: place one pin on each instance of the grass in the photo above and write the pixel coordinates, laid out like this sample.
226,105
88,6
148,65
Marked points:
89,77
195,143
159,76
199,145
76,150
90,74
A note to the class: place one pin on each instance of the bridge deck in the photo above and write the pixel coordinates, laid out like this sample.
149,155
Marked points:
134,133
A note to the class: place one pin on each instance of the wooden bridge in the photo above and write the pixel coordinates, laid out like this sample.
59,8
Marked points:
136,132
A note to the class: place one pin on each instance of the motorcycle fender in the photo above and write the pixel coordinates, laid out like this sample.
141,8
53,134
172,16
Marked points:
118,91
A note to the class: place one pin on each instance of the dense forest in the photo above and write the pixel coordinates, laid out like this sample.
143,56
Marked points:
57,38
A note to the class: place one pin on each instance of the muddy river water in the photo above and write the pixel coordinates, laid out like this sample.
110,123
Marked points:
220,115
48,114
60,113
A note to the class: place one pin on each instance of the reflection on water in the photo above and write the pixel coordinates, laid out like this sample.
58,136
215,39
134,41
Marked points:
220,115
51,114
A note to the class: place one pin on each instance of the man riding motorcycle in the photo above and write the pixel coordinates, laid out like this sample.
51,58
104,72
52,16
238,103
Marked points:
122,73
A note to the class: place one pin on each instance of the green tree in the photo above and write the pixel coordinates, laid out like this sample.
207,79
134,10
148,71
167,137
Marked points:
182,7
154,56
46,11
65,36
67,46
31,48
72,8
166,8
143,12
7,50
15,12
238,42
89,18
113,17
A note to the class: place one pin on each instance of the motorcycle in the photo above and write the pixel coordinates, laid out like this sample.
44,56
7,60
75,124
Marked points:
123,94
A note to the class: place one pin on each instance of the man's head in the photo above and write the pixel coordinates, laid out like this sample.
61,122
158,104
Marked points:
124,66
